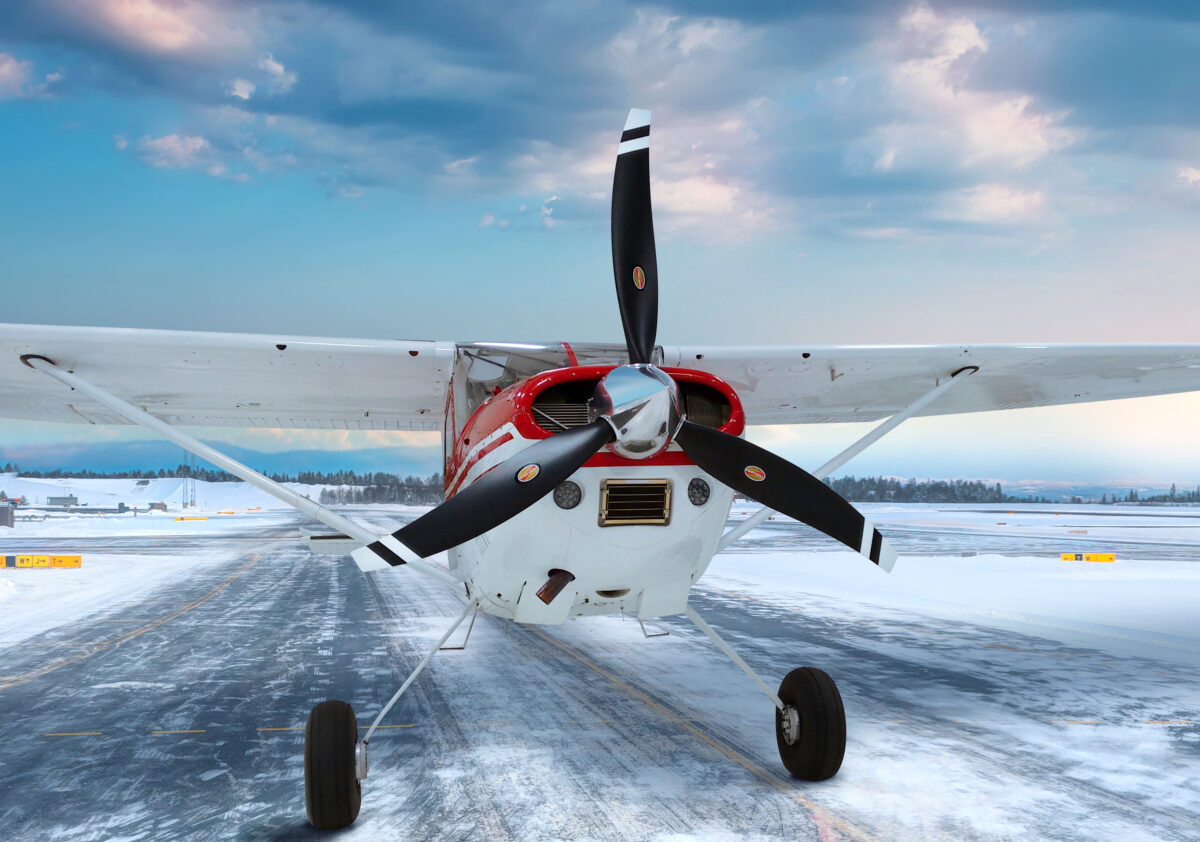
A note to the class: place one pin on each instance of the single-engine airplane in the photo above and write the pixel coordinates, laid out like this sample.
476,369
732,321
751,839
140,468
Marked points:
581,479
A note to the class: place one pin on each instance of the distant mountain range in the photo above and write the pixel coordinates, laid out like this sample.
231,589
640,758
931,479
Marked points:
152,455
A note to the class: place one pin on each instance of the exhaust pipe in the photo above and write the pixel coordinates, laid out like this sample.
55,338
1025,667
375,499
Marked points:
558,580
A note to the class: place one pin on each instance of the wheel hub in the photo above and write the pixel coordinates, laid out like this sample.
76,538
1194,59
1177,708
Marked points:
791,724
360,761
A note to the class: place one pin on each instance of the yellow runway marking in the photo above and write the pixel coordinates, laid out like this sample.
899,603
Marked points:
1168,722
381,727
73,734
129,635
820,814
187,731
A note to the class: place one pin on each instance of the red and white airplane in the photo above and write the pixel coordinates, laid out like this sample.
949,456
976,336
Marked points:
580,479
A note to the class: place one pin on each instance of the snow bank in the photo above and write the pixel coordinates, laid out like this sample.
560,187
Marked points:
1136,607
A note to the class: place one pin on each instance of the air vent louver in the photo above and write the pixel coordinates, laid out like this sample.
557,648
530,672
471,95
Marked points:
635,502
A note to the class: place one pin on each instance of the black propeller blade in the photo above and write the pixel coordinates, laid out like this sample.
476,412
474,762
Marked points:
505,491
635,266
777,483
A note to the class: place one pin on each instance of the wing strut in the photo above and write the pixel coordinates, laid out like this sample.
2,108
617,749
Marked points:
853,450
138,416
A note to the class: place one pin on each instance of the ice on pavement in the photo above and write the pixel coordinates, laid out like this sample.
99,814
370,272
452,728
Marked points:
959,697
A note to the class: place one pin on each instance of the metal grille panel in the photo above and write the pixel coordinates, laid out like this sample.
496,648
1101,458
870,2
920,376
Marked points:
628,502
556,417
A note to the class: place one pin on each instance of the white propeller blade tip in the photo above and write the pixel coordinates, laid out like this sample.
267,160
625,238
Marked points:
638,117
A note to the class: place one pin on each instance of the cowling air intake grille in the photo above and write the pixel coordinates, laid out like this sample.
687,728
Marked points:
560,416
631,502
565,405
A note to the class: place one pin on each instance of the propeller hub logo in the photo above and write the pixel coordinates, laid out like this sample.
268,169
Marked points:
755,473
639,277
528,472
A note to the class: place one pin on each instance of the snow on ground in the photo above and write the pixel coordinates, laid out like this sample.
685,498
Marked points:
1135,607
1138,605
961,728
169,490
34,600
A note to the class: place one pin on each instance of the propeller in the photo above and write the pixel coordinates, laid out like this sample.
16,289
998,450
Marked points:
636,411
504,491
635,266
782,486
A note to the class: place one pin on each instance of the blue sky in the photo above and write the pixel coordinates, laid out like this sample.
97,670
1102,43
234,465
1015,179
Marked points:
928,172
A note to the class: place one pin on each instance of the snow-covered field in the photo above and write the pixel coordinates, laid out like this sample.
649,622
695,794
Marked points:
993,690
141,493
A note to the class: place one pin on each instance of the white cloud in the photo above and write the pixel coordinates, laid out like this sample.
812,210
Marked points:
120,141
14,76
943,115
547,212
694,196
1188,176
181,152
241,88
281,79
16,79
157,26
487,220
998,203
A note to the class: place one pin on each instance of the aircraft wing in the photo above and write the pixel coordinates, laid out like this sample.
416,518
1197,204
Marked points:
260,380
825,383
229,379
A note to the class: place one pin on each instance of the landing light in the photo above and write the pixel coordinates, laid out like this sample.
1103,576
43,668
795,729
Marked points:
567,495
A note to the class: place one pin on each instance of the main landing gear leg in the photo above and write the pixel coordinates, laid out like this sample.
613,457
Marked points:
335,762
810,722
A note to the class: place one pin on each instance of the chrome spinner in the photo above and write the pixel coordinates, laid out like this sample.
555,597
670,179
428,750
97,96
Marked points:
641,403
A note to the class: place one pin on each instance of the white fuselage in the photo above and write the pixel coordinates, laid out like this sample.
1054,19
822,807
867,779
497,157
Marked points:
646,570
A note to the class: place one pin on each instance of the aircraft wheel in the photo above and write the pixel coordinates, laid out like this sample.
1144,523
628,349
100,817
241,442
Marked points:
332,793
811,729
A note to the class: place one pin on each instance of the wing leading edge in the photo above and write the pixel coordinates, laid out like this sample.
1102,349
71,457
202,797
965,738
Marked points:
228,379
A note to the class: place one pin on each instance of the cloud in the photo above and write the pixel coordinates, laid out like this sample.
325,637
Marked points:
1188,176
979,127
181,152
866,118
120,141
17,79
281,79
14,76
241,88
998,203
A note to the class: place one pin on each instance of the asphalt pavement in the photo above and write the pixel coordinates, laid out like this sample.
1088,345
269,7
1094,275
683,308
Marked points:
179,715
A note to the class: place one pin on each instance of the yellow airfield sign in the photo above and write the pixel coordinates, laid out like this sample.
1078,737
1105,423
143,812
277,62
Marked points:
1101,557
41,561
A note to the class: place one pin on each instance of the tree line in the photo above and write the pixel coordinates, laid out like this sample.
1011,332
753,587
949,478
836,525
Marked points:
895,490
351,486
380,487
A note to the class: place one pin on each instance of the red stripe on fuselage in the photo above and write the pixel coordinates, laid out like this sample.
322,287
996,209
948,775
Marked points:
605,459
474,460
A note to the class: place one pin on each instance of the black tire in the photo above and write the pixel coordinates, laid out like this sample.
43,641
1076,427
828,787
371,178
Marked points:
332,793
817,752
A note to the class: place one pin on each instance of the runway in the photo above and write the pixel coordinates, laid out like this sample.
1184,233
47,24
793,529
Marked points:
179,715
